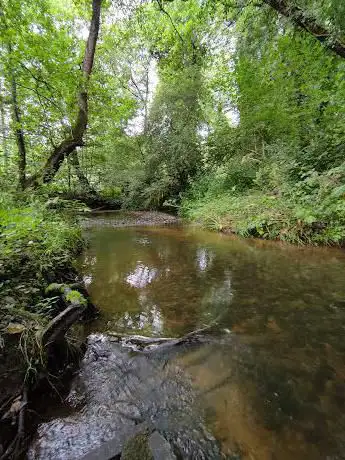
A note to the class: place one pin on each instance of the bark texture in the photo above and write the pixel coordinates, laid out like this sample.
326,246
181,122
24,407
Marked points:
68,145
301,19
3,127
19,133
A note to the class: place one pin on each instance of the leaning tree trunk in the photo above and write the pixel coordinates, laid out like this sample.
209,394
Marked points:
68,145
299,17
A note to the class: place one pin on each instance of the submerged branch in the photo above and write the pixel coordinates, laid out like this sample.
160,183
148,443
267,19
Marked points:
148,344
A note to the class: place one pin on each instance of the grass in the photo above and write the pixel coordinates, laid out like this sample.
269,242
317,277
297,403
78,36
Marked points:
267,216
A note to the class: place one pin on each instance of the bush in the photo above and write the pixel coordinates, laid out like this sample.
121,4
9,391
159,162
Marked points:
35,239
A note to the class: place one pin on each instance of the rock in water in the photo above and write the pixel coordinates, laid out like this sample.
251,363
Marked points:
160,448
127,395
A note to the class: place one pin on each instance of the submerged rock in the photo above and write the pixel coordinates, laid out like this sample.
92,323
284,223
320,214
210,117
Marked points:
160,448
127,397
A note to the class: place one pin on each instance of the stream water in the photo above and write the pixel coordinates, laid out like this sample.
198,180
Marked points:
270,386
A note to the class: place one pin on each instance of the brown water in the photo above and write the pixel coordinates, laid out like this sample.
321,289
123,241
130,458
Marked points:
274,386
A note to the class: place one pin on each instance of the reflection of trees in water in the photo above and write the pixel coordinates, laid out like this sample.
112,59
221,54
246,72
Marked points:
136,277
141,276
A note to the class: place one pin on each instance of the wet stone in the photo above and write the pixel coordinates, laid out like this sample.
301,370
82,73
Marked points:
160,448
122,392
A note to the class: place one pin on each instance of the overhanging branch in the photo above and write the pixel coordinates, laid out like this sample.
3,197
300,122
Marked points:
299,17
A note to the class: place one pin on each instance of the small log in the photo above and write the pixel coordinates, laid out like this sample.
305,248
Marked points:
73,294
148,344
58,326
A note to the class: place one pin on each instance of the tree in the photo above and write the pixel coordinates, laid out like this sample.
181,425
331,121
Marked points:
18,129
302,18
75,139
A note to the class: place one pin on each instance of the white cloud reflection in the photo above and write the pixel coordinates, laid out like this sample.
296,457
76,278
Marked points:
141,276
204,258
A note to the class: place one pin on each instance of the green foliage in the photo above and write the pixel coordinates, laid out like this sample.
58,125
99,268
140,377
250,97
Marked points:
278,173
222,100
74,297
309,211
35,239
37,244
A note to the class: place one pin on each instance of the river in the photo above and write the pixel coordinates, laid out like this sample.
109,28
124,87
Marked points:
271,385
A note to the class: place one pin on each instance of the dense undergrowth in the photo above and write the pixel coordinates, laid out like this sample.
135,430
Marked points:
37,247
39,239
271,206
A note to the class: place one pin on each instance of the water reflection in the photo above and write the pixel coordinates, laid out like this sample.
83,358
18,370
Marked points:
279,390
141,276
204,258
143,280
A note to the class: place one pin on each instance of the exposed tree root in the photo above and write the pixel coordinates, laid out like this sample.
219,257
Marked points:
18,411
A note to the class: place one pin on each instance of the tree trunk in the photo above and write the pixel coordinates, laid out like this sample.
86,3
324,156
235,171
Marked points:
3,126
67,146
83,180
18,129
301,19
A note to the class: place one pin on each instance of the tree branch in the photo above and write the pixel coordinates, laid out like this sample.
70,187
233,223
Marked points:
68,145
299,17
160,5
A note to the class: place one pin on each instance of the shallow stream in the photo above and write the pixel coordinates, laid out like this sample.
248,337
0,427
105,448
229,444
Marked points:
270,385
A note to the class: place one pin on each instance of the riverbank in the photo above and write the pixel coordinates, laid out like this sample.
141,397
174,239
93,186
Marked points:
38,246
128,219
269,216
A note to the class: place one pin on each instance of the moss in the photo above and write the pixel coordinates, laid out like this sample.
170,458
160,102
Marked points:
137,448
54,288
74,297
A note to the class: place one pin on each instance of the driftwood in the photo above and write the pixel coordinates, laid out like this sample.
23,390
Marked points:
76,299
149,344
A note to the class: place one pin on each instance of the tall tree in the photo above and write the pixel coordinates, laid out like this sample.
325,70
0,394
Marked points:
76,138
3,124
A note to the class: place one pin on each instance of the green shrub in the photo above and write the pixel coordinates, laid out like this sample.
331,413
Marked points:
41,237
309,211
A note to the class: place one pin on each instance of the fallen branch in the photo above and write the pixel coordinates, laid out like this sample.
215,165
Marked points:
148,344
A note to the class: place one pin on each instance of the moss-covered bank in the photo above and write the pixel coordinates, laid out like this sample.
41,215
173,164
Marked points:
38,246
